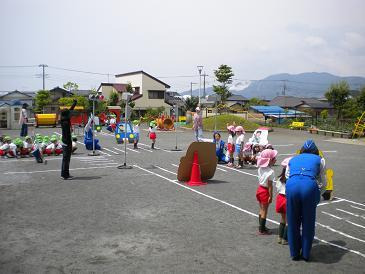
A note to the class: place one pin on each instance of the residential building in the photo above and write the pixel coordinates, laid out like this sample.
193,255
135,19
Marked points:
149,92
312,105
11,105
56,94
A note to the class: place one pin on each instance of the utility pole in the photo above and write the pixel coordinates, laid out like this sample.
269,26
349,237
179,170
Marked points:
200,68
284,87
191,89
204,75
43,75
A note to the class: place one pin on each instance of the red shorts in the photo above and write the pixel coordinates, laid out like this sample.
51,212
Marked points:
48,152
2,152
153,136
262,195
58,151
280,203
230,148
24,151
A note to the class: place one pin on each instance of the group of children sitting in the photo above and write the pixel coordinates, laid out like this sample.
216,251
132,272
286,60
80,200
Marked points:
29,147
245,153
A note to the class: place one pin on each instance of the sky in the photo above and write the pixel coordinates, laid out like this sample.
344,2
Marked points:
170,38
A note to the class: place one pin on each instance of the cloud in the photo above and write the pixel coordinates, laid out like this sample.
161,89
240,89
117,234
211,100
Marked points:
353,41
315,41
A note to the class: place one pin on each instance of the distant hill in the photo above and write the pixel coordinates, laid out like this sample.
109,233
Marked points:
309,84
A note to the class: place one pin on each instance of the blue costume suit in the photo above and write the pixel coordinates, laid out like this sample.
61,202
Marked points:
303,195
219,150
88,140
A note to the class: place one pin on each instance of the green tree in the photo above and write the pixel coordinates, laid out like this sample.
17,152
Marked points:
351,109
361,99
337,95
324,114
113,99
190,103
81,101
254,102
70,86
224,76
42,99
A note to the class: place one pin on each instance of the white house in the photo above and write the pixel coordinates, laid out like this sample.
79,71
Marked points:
10,107
149,92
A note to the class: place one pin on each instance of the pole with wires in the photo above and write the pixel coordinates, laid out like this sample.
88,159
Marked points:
43,75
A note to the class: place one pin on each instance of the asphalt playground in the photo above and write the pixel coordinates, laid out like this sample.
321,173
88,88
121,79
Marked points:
142,220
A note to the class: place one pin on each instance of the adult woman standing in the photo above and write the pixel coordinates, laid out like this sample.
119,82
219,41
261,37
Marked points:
305,175
23,120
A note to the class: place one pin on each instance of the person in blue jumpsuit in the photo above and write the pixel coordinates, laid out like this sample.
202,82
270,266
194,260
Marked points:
219,150
304,173
88,136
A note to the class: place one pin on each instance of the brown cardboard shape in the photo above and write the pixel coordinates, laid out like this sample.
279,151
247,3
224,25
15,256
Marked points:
207,160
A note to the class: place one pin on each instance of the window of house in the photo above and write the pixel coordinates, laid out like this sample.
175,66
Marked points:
136,90
156,94
16,114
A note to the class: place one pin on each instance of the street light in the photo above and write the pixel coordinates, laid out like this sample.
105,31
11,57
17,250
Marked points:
200,68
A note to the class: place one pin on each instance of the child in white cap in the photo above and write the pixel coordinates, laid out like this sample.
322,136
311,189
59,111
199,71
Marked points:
240,133
265,189
280,206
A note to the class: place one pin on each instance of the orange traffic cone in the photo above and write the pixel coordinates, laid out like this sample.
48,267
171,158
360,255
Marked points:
195,176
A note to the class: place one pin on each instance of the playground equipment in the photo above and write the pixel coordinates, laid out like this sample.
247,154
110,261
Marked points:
124,131
165,123
46,120
359,126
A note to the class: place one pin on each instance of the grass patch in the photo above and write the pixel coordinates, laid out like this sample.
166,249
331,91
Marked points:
222,120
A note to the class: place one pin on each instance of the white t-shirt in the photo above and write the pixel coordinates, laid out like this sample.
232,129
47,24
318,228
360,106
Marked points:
112,121
240,139
265,174
51,146
136,129
280,187
27,145
5,146
152,130
230,139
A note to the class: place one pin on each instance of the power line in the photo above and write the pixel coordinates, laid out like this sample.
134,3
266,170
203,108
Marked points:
31,66
80,71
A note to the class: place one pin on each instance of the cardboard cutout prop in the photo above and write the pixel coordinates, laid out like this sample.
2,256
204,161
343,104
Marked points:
207,161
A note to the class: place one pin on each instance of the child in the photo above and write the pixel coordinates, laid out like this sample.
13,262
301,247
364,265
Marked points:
152,133
219,148
74,143
281,203
230,144
5,147
18,147
45,142
51,148
264,191
256,151
27,146
37,149
136,133
239,145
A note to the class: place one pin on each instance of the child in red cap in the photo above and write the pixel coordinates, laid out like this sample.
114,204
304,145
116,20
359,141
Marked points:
264,191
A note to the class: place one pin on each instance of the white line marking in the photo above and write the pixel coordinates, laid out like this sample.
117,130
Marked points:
355,203
243,210
54,170
174,165
145,149
334,216
240,171
221,169
341,233
357,207
156,148
355,224
288,145
119,150
353,214
329,151
332,202
133,150
107,149
107,154
165,170
286,154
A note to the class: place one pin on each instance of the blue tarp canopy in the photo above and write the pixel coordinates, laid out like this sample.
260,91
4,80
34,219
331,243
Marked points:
278,112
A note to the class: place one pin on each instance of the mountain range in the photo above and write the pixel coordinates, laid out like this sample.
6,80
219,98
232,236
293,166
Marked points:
308,84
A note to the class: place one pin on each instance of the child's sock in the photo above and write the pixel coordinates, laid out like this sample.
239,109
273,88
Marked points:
135,145
153,146
262,225
259,220
285,234
281,231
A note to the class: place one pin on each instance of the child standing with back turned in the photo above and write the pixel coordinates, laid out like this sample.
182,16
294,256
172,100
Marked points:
264,191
